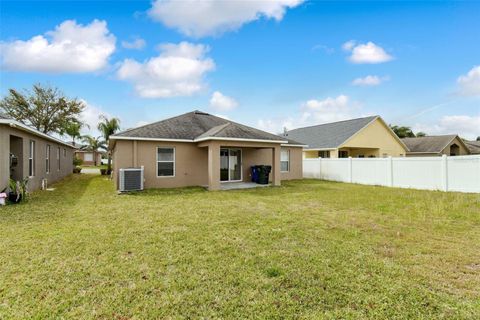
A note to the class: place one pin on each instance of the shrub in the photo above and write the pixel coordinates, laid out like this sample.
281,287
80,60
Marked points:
77,162
103,172
77,170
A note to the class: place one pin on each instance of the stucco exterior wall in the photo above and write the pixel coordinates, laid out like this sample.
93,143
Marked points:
378,137
66,162
191,161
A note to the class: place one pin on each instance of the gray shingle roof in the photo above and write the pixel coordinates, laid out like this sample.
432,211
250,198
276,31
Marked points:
329,135
474,146
197,125
430,144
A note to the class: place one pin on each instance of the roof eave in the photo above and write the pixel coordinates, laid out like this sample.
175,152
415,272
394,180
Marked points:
18,125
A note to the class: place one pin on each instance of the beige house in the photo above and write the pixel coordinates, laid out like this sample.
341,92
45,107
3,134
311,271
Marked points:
367,137
450,145
199,149
89,158
26,152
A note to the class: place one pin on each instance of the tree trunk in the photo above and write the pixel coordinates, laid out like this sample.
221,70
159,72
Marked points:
109,163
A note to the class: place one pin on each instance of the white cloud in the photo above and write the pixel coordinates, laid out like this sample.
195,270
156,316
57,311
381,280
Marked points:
466,126
136,44
71,47
366,53
178,70
348,46
369,81
313,112
221,102
324,48
90,116
198,18
470,83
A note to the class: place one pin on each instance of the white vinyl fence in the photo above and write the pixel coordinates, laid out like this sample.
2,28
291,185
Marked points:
459,173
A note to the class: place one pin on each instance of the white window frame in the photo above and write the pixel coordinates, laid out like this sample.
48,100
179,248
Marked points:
47,159
174,162
287,161
58,158
31,159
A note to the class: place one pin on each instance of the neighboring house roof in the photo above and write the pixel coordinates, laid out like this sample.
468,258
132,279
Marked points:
474,146
429,144
197,126
5,119
329,135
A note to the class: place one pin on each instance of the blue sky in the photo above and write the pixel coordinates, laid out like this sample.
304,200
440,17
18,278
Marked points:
268,64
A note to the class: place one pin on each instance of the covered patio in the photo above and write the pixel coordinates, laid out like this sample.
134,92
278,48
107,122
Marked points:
229,162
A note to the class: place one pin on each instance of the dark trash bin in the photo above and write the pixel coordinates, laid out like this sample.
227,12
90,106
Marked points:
263,174
255,173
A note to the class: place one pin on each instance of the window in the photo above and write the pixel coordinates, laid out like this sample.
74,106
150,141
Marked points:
47,159
285,160
88,157
31,159
324,154
165,162
343,154
58,158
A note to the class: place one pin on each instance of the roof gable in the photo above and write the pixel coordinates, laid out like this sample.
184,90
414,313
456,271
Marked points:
428,144
196,126
329,135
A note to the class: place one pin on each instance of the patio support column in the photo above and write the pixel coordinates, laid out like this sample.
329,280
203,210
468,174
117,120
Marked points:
276,174
213,166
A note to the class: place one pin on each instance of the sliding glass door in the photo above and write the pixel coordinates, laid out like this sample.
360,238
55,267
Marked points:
230,164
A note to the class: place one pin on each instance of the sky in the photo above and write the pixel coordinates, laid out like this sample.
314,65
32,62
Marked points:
268,64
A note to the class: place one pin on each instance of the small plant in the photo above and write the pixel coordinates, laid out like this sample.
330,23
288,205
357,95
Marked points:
103,172
18,190
77,170
77,162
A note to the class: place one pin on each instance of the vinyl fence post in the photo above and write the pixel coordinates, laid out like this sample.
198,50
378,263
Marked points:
444,173
320,168
390,171
350,168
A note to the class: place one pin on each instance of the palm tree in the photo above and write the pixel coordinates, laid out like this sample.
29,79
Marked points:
72,129
108,127
94,145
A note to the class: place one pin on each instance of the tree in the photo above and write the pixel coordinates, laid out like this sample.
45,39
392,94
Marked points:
421,134
45,108
94,145
403,132
108,127
72,130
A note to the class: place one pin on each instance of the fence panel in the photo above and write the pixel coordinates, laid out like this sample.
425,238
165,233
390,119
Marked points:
463,174
418,173
460,173
370,171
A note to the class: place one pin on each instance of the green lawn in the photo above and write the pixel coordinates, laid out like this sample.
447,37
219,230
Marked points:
308,249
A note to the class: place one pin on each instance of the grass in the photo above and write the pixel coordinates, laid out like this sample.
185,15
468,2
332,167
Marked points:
308,249
101,166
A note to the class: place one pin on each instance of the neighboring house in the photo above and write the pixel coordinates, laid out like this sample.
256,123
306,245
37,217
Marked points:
89,158
450,145
199,149
474,146
367,137
27,152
